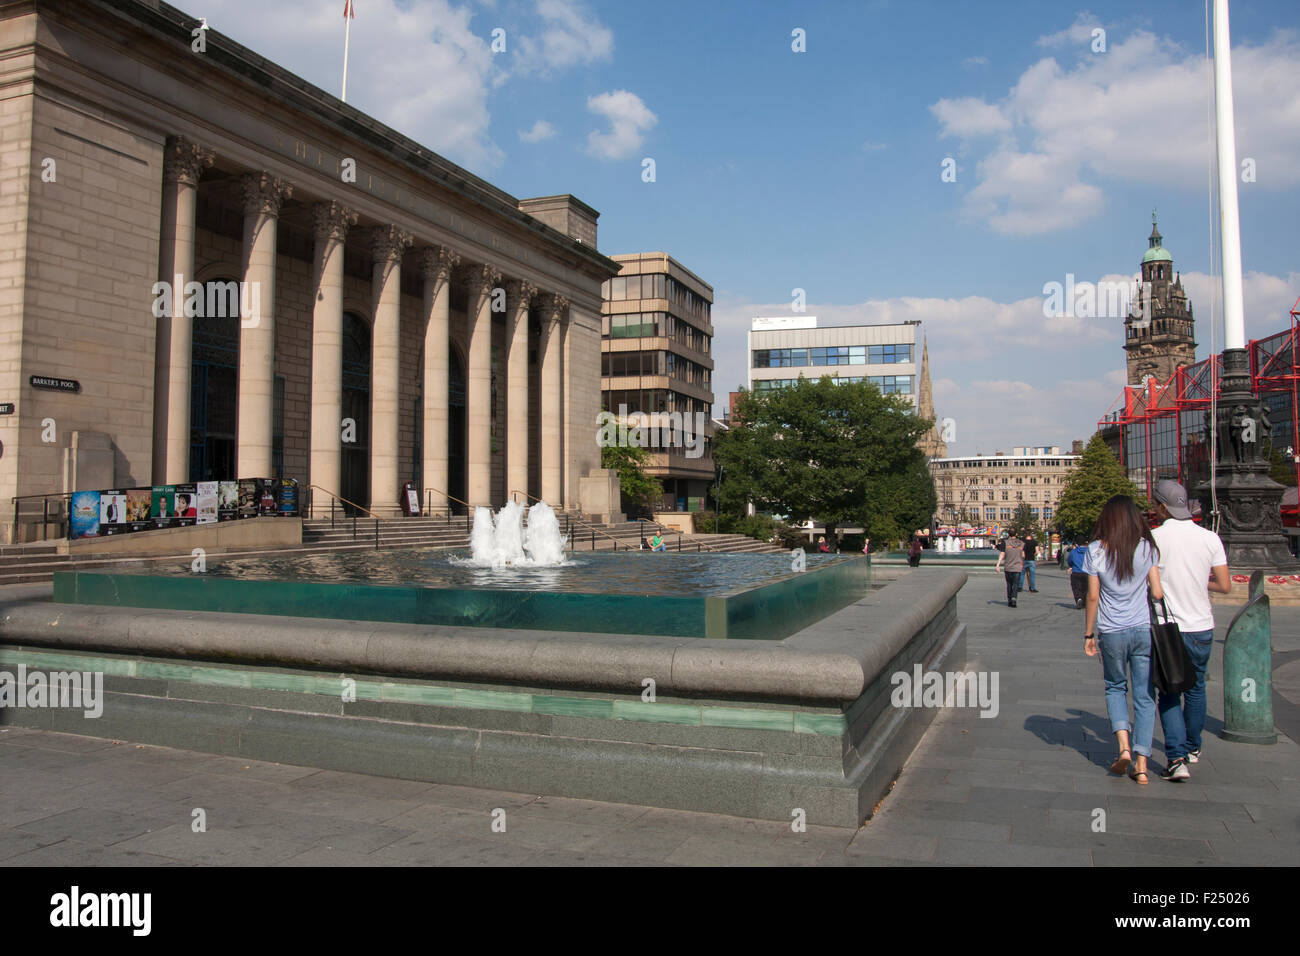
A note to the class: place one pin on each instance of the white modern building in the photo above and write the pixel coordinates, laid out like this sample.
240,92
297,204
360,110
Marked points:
786,348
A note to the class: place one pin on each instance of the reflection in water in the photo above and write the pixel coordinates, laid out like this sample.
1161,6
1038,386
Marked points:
623,572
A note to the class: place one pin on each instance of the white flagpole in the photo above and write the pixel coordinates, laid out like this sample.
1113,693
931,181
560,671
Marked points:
1234,325
347,32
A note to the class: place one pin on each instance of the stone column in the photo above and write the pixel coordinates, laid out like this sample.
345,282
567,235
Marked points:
183,163
481,279
387,244
553,314
436,264
518,296
332,220
262,194
567,490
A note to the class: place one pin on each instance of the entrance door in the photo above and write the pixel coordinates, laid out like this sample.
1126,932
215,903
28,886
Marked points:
456,477
355,463
214,393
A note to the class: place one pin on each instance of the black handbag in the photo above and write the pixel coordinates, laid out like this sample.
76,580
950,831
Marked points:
1171,665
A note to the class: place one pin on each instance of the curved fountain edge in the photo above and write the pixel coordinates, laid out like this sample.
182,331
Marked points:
835,659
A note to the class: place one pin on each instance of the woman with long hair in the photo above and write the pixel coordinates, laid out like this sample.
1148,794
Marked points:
1121,566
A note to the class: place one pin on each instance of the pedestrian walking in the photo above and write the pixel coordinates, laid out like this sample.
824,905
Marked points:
1189,556
1030,564
1121,567
1078,576
1011,561
914,552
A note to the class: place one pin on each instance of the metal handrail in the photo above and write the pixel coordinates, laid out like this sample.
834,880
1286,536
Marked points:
428,504
340,498
46,520
335,498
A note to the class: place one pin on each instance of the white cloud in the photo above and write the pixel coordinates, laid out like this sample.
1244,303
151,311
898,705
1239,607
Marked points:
1136,113
541,130
1078,33
569,37
628,118
969,117
973,61
416,65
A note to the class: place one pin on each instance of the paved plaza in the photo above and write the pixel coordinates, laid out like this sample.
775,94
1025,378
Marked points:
1028,786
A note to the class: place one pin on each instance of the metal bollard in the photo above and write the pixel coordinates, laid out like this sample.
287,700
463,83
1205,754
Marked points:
1248,671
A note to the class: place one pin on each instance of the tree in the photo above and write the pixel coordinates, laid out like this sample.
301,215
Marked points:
640,490
1098,477
1024,521
1280,468
838,453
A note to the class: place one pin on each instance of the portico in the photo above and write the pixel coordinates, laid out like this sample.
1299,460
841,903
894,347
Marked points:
402,320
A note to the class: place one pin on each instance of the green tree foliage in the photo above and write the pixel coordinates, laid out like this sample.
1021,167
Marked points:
1024,521
840,453
1098,477
1279,468
638,488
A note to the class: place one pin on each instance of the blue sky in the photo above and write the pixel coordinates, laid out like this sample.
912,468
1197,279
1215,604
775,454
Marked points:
820,170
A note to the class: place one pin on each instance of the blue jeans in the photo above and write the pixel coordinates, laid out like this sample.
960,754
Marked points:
1124,654
1030,566
1182,716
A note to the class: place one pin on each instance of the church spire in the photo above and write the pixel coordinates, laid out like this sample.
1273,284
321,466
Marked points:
931,445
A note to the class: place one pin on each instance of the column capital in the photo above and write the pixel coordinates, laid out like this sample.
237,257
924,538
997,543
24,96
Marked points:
481,277
263,193
436,262
332,220
555,307
388,243
184,161
520,292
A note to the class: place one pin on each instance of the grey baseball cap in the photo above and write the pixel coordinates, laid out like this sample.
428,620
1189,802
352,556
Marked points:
1174,497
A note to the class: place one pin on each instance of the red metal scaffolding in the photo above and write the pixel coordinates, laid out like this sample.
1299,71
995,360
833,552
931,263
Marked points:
1274,368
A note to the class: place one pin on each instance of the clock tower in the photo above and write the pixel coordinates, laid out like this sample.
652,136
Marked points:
1159,329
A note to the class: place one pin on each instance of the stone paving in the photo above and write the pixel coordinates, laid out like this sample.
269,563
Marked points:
1024,787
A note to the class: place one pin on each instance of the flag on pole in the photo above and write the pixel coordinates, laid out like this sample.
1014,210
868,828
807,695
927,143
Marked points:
348,16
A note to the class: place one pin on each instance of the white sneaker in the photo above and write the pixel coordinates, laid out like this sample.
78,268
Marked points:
1193,756
1176,771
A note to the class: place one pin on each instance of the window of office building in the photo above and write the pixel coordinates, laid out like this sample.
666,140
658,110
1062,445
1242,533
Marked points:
887,354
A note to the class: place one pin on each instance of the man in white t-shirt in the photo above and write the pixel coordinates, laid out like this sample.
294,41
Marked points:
1192,564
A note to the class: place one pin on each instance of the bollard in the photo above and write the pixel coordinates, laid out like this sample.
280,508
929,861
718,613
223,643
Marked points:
1248,671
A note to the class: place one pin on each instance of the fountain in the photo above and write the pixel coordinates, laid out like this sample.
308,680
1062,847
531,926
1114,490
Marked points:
724,683
504,541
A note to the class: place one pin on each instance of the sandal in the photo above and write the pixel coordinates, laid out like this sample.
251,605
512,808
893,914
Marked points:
1133,775
1121,762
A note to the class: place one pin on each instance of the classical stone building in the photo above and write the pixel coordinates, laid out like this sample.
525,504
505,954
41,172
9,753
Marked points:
656,359
1160,337
984,490
348,308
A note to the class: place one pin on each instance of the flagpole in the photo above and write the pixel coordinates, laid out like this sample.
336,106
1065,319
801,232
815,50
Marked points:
347,32
1229,222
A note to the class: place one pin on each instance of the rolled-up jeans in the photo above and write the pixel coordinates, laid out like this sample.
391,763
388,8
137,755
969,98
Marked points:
1030,566
1182,716
1125,661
